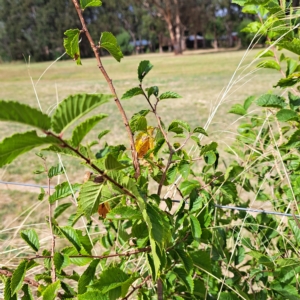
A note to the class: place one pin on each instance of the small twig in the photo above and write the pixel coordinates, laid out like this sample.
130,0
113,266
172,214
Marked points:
112,88
141,250
160,291
88,161
26,279
134,288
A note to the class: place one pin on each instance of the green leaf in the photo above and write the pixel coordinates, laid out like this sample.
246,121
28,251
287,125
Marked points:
144,68
185,259
27,295
60,261
185,277
64,190
294,101
265,53
111,163
84,128
31,238
51,290
268,100
248,102
293,46
103,133
88,276
141,124
124,213
71,44
7,291
196,228
200,130
93,294
292,66
89,197
18,277
285,115
210,157
294,140
72,236
288,81
269,64
21,113
86,3
41,195
109,43
55,171
239,2
60,209
19,143
252,27
66,151
238,109
176,126
228,296
73,108
184,169
153,90
132,92
202,260
296,230
188,185
169,95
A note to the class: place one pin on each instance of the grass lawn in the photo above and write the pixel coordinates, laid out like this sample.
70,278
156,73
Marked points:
201,79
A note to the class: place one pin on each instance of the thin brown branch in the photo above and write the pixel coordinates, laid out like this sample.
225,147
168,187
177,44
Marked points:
27,280
134,288
88,161
112,89
160,291
126,254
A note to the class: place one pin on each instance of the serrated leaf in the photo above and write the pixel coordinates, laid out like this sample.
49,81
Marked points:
185,259
294,140
186,278
103,133
202,259
66,151
55,171
296,230
109,43
84,128
210,157
291,80
252,27
86,3
269,64
88,276
188,185
27,294
144,68
124,213
18,112
265,53
7,291
89,197
64,190
133,121
73,108
238,109
196,228
228,296
60,261
93,294
111,163
132,92
184,169
200,130
31,238
169,95
141,124
269,100
293,46
18,277
72,236
285,115
177,125
51,290
153,90
60,209
20,143
71,44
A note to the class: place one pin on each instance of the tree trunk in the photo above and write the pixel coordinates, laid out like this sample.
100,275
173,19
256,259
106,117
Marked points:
177,45
195,41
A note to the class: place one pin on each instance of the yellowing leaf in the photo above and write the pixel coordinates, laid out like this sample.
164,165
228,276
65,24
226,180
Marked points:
144,142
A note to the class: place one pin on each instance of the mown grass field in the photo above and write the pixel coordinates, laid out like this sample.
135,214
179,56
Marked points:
203,80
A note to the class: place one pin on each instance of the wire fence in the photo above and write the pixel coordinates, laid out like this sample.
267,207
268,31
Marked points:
260,211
